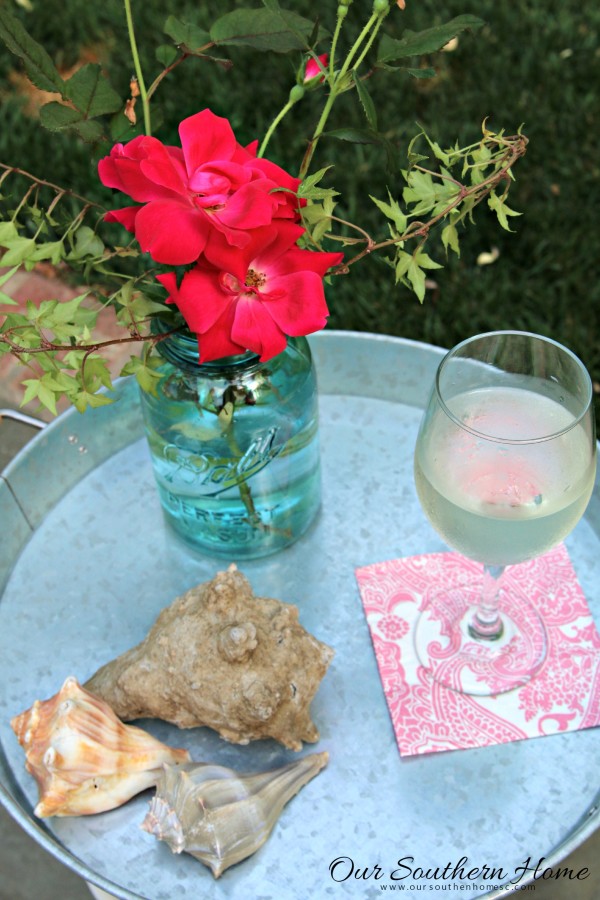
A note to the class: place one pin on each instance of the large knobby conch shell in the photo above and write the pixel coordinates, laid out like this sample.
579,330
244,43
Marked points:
83,758
222,657
220,816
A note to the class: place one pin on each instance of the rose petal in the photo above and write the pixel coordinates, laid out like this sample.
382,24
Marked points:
252,148
301,309
219,172
314,69
162,170
126,216
254,328
216,341
296,260
206,138
201,299
122,169
275,173
225,256
207,310
249,207
279,240
171,232
169,282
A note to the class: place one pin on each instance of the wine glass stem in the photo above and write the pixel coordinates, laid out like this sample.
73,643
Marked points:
486,624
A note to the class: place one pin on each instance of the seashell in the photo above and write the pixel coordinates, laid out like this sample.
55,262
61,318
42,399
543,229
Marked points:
220,816
84,759
222,657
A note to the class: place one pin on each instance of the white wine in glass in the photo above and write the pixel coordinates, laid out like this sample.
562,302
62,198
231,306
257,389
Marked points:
505,464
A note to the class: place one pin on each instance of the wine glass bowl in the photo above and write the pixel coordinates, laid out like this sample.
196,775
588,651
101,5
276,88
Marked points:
505,465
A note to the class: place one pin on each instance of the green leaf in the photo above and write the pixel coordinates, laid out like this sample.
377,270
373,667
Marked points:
419,73
353,135
225,416
426,193
309,189
89,131
38,64
186,34
87,243
56,116
502,210
52,250
198,432
31,390
136,305
403,261
427,72
366,102
166,54
437,150
36,389
84,398
312,213
425,261
5,300
450,238
274,29
481,159
416,43
89,90
146,376
312,180
18,250
147,379
121,129
421,190
8,233
416,276
69,311
5,276
393,212
97,372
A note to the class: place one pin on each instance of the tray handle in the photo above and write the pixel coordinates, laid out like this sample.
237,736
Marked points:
18,416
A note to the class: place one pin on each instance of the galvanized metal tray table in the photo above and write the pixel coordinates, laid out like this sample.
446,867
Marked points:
87,563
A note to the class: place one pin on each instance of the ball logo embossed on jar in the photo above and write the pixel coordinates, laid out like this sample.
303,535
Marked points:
208,478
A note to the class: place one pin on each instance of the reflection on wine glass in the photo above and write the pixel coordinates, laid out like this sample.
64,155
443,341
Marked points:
505,463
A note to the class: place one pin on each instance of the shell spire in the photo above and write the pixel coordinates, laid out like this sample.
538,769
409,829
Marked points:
220,816
84,759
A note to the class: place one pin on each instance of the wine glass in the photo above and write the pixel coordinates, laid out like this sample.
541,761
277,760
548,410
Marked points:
505,463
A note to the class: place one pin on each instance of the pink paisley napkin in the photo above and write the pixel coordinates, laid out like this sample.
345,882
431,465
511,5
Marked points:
427,717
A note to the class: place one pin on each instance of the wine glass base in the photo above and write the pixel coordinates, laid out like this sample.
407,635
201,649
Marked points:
457,660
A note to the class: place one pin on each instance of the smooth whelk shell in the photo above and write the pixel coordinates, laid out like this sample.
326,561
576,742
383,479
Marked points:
84,759
222,657
220,816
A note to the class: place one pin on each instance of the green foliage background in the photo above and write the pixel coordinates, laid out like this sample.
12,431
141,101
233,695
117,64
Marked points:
537,63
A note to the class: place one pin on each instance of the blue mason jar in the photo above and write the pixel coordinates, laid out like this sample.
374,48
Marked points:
235,447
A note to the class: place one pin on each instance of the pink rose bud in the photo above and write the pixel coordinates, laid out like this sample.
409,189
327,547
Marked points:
314,69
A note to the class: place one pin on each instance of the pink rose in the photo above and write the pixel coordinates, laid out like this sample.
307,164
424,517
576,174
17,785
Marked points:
264,292
210,189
